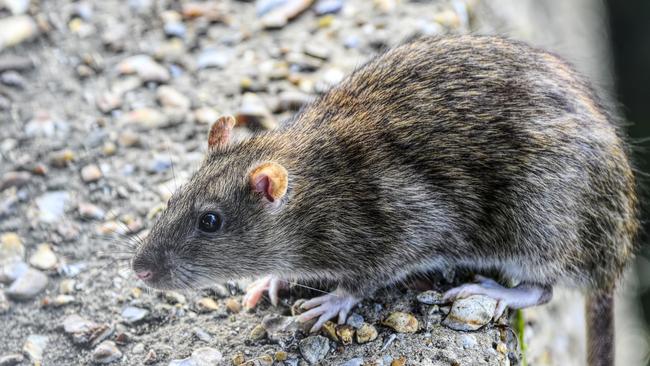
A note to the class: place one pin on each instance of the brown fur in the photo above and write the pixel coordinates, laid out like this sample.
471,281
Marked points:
463,151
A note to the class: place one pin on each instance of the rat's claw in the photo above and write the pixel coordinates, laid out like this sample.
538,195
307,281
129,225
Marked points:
256,289
519,297
327,307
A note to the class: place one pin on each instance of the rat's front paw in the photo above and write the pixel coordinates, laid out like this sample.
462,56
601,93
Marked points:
327,307
255,290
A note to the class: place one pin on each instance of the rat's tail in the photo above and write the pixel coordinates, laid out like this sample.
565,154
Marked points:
600,328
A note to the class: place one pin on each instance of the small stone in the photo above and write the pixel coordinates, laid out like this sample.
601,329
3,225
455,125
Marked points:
502,348
345,334
63,158
11,359
44,258
138,348
386,6
206,115
366,333
16,29
401,322
89,211
85,332
59,300
150,357
314,349
316,50
172,98
401,361
358,361
4,304
254,114
28,285
182,362
91,173
430,298
175,29
147,118
128,139
258,332
11,271
44,125
281,328
173,298
13,79
206,356
276,14
206,304
280,356
14,179
106,352
108,102
233,305
202,335
15,63
355,320
470,313
145,67
132,314
17,7
109,148
468,341
34,347
329,329
211,57
67,286
210,11
328,6
11,248
51,206
238,359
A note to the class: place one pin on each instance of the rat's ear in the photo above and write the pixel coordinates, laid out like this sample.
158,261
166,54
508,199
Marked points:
270,179
220,132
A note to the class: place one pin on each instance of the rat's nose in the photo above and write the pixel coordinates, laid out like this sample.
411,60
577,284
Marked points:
144,275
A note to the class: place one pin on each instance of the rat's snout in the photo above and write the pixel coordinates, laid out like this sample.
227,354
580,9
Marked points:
150,269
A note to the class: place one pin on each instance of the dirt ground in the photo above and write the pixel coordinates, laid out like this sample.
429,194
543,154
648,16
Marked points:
94,140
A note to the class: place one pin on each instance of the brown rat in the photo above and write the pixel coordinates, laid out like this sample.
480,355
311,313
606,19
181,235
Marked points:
459,151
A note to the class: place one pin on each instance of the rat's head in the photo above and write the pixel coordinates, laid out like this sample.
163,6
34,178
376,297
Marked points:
221,224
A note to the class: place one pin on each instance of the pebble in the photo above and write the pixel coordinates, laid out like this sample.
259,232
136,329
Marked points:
258,332
355,320
202,335
402,322
147,118
254,114
132,314
366,333
314,349
11,271
138,348
16,63
280,328
16,29
128,139
345,334
14,179
277,13
430,298
11,248
44,258
172,98
86,332
329,329
211,57
150,358
206,115
401,361
470,313
62,158
358,361
89,211
34,347
206,356
13,79
207,304
175,29
233,305
173,298
145,67
91,173
238,359
17,7
280,356
323,7
28,285
468,341
51,206
11,359
317,50
44,125
58,300
108,102
4,304
210,11
106,352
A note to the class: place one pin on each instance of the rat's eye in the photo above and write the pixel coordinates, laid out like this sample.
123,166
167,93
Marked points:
210,222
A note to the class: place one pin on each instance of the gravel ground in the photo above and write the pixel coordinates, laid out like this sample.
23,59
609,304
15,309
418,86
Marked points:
104,109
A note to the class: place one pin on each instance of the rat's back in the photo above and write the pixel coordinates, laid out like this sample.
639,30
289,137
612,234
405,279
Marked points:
527,163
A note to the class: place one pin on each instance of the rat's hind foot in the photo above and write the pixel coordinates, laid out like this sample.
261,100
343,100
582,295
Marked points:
522,296
327,307
256,289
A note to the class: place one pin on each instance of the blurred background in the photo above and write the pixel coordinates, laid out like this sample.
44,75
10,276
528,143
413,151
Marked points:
104,109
